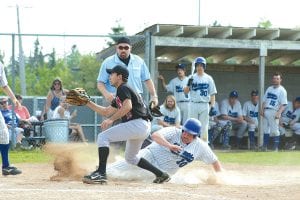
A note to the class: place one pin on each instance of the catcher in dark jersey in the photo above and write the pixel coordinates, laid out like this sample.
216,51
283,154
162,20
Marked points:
134,129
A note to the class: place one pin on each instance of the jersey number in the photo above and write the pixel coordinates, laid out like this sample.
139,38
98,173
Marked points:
203,93
272,103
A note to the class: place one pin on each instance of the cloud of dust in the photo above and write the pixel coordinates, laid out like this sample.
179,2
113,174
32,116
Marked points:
72,161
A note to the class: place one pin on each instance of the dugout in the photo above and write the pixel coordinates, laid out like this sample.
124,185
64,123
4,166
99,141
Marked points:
239,58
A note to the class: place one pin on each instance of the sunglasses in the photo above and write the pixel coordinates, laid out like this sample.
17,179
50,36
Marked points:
123,47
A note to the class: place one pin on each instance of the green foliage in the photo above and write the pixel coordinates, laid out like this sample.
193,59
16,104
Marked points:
264,23
116,30
33,156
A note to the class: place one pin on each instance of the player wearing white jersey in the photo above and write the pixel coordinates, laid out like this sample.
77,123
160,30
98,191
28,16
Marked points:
175,86
274,102
290,123
171,115
217,127
250,112
231,110
202,89
174,148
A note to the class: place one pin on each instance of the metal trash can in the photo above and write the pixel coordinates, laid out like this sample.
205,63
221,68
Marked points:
56,130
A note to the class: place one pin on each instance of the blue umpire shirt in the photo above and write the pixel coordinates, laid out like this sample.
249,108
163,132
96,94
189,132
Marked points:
138,72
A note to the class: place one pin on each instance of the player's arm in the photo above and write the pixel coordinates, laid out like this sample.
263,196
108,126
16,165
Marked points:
152,91
280,110
161,77
107,95
11,95
212,100
104,111
161,140
217,166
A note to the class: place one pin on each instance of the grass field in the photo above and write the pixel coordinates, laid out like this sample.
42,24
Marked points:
241,157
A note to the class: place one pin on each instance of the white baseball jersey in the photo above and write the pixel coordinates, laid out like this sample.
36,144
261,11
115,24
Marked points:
169,116
286,115
232,111
56,115
176,87
296,121
169,162
274,97
295,116
4,135
250,110
202,88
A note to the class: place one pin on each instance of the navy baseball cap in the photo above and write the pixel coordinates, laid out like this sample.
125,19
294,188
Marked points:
181,66
234,94
119,70
254,93
123,40
297,99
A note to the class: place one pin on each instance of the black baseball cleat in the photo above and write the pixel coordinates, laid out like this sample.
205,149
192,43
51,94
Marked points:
163,178
10,170
95,178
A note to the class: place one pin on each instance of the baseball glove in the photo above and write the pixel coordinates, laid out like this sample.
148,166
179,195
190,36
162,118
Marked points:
77,97
154,110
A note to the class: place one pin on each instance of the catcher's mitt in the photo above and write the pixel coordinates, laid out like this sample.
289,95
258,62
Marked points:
154,110
77,97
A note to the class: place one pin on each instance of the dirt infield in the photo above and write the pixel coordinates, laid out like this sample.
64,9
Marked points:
240,182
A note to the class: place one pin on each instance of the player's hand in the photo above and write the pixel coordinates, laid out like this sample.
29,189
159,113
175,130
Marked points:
277,115
190,81
175,148
161,77
154,99
106,124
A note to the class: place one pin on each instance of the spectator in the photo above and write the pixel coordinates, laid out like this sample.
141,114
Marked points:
171,115
24,116
7,169
231,110
218,127
176,86
8,118
62,112
250,112
274,102
56,93
138,72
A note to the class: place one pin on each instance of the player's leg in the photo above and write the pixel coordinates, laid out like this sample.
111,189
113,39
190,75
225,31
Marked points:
4,148
251,135
274,130
266,127
226,127
204,119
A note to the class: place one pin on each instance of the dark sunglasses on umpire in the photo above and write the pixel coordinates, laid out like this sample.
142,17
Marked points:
123,47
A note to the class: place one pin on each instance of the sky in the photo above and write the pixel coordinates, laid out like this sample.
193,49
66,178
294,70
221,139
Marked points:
97,17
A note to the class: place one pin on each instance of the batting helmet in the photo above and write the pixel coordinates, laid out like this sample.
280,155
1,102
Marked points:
192,126
200,60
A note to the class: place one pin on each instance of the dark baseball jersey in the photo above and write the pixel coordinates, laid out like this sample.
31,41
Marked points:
139,109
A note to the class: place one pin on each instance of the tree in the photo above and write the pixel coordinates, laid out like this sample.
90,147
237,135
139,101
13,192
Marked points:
73,59
264,23
117,30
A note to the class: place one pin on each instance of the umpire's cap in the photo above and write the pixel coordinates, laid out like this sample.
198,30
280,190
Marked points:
119,70
125,40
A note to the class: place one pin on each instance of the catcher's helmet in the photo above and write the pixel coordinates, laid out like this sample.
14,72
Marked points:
200,60
192,126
